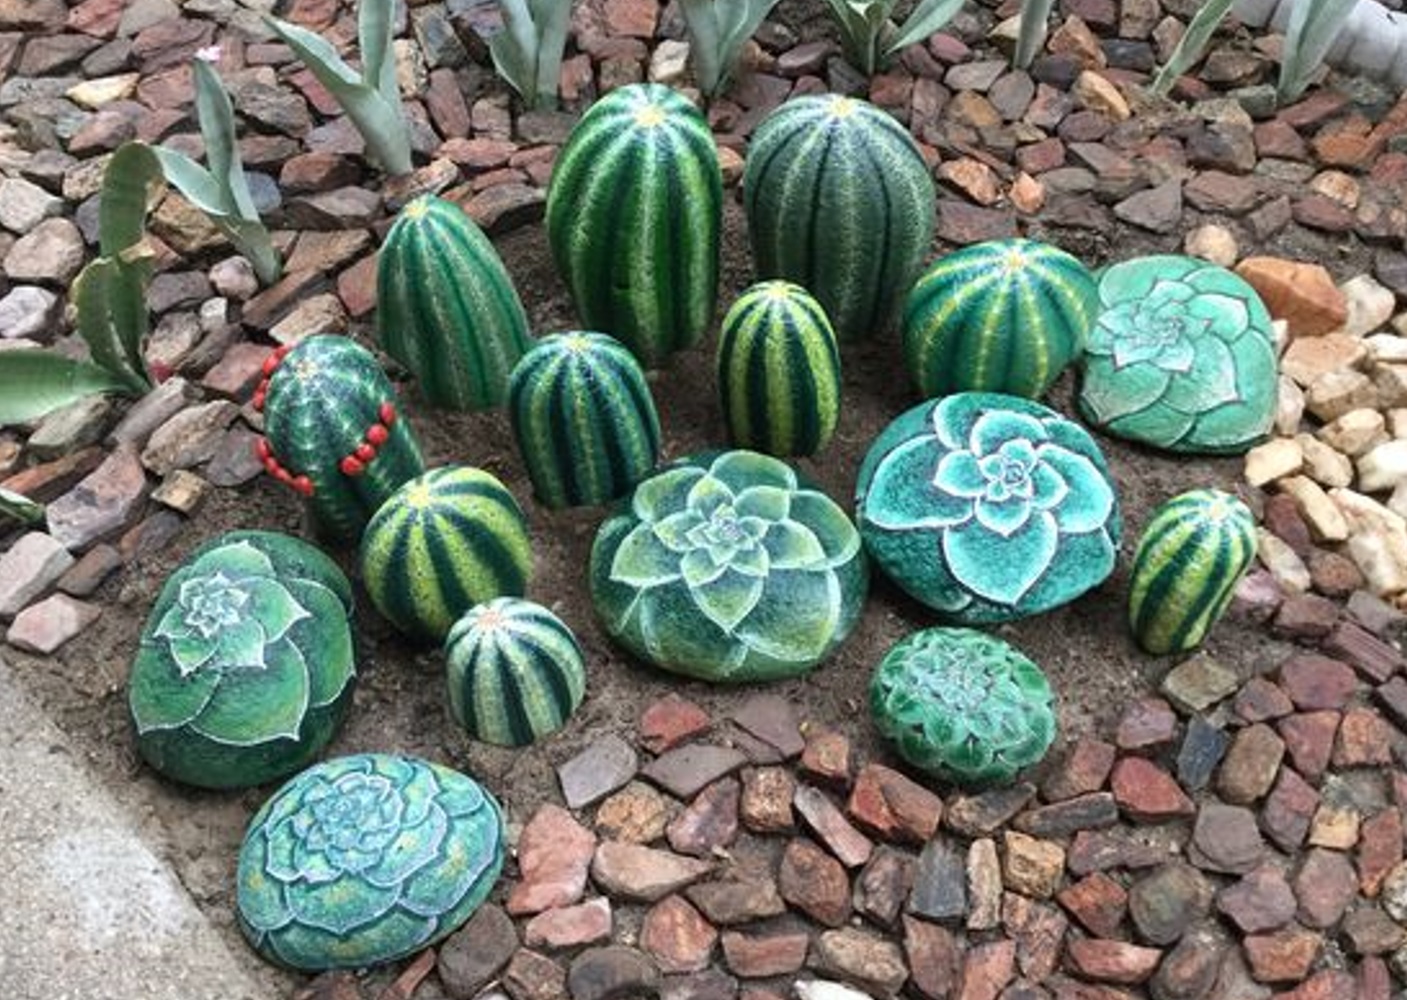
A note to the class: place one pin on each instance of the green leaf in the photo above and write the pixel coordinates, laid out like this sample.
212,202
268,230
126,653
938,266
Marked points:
217,128
1193,42
552,18
110,298
1313,28
32,383
1035,15
196,184
254,706
717,30
860,22
20,508
203,190
929,16
375,30
130,182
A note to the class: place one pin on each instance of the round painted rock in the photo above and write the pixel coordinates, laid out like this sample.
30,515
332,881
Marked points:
1181,357
727,566
963,704
988,507
245,667
365,859
516,672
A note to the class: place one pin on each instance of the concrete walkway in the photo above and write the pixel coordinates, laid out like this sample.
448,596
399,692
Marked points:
87,911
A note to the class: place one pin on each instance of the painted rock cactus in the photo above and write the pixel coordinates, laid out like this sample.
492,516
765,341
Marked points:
988,507
516,672
334,433
1191,556
245,667
963,704
726,566
1181,356
584,419
365,859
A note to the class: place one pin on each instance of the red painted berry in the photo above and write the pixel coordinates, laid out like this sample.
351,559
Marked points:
258,400
351,467
284,476
270,363
262,449
303,485
377,434
387,414
365,453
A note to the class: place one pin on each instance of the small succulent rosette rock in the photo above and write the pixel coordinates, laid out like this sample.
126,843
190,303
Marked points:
245,667
365,859
963,705
988,507
727,566
1181,357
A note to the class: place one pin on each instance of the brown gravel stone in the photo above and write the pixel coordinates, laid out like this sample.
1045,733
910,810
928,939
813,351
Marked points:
766,799
1373,658
677,936
773,720
1393,697
983,814
1303,294
643,873
670,721
533,976
1317,682
636,814
882,887
1261,901
1061,819
1309,738
685,770
1370,931
570,926
871,962
1030,866
986,970
1251,765
709,822
1283,957
815,883
1306,616
755,956
1165,903
893,806
831,827
827,757
554,853
729,903
1226,839
1097,902
1112,961
1364,740
1094,850
1148,794
1084,769
1149,724
1324,885
612,972
1039,932
933,957
1380,848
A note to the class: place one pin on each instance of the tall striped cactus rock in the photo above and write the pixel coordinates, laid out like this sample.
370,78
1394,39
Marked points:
1191,556
516,672
446,307
333,432
779,371
633,216
840,201
584,419
445,541
1003,316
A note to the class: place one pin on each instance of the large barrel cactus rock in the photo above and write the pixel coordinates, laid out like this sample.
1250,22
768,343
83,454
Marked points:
988,507
446,307
840,201
963,705
245,667
633,215
366,859
728,567
334,432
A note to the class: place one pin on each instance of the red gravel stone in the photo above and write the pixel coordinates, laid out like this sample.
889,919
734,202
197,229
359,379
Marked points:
773,720
1149,724
1306,616
766,799
756,956
1112,961
1374,982
987,969
1317,682
1309,738
1148,794
1283,957
1324,885
1261,700
1083,770
1289,809
677,936
1039,932
1261,901
1354,644
356,287
672,720
893,806
570,926
1364,740
1226,839
554,855
1331,984
709,822
933,956
641,873
1379,849
827,758
815,883
1097,902
831,827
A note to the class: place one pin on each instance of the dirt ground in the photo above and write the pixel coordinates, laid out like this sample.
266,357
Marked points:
400,700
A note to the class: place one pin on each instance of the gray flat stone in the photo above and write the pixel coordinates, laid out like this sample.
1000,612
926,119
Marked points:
600,769
28,568
686,770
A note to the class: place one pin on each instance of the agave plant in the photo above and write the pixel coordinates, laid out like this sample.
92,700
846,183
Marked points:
963,704
871,39
245,667
364,859
988,507
1182,357
526,39
1192,44
717,31
1031,35
1314,26
726,566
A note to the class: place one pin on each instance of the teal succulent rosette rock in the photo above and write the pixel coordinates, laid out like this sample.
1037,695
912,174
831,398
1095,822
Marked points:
988,507
963,705
1181,357
365,859
726,566
245,667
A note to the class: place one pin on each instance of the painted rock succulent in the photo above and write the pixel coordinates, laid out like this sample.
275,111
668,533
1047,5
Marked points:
1181,356
988,507
365,859
245,666
728,567
963,704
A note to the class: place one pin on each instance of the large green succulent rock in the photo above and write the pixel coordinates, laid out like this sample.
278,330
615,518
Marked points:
365,859
988,507
728,567
1182,357
963,704
245,667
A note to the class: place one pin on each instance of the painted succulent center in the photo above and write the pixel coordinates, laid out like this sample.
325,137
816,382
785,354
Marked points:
348,824
227,624
1162,328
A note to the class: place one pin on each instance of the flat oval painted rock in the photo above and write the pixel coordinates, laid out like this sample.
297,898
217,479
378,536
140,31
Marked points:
1181,357
245,667
727,566
963,704
365,859
988,507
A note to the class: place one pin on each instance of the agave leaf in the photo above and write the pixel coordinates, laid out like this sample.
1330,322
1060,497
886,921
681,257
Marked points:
552,18
1313,27
512,48
706,43
110,298
129,182
1192,44
375,29
251,238
861,23
196,184
248,234
33,383
1035,15
20,508
929,16
217,128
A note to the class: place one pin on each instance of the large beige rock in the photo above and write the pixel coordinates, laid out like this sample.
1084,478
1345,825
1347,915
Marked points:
1323,464
1288,568
1387,348
1397,423
1377,541
1369,304
1096,93
1326,522
1390,381
1355,432
1307,358
1383,468
1334,394
1268,462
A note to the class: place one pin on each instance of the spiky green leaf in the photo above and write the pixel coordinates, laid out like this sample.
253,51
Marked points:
217,128
20,508
929,16
1192,44
1313,28
375,29
110,297
33,383
130,184
1030,37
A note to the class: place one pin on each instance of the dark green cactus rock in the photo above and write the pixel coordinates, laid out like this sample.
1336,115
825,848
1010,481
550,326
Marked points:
334,433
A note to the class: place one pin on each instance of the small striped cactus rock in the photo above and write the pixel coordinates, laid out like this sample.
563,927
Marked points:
333,432
1003,316
516,672
779,371
584,419
633,215
446,541
840,201
1189,560
446,307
